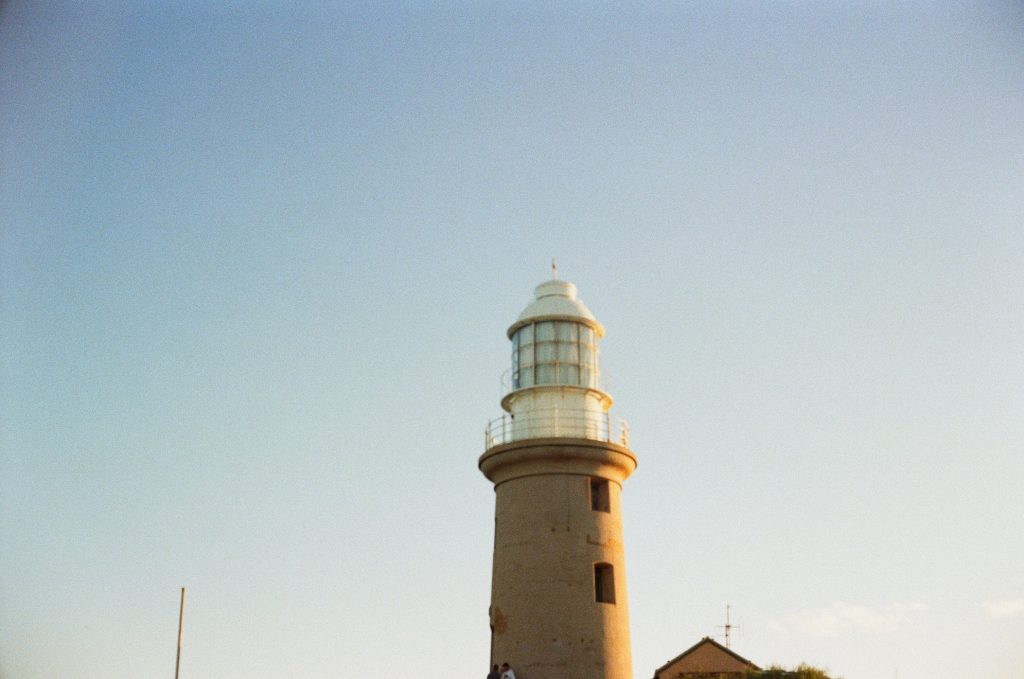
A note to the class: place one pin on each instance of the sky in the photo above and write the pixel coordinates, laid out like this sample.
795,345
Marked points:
257,263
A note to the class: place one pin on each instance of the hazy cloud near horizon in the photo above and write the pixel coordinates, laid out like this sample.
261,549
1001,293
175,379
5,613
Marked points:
842,618
1004,608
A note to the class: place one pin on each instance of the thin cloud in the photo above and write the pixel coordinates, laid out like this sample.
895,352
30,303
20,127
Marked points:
842,618
1004,608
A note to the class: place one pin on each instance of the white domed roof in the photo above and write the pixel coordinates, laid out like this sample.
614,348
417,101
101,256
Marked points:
556,300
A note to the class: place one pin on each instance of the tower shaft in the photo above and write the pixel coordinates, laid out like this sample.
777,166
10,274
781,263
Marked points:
558,594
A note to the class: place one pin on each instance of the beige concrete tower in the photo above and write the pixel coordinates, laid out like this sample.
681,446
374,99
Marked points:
558,591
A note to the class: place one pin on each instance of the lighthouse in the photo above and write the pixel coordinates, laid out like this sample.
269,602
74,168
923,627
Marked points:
558,459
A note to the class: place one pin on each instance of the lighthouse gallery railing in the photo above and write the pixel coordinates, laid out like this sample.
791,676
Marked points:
556,423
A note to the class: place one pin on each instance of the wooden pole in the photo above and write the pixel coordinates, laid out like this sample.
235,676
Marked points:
181,616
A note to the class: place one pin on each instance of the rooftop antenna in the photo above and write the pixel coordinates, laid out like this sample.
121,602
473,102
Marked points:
728,627
181,616
554,269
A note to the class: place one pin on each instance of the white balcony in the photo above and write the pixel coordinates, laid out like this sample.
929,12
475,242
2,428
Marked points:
555,423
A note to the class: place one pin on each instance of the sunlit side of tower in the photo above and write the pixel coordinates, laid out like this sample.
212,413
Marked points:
557,461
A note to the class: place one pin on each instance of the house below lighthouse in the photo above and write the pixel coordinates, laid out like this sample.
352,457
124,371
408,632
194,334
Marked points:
558,460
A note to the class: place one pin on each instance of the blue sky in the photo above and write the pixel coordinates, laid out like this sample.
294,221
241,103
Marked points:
256,266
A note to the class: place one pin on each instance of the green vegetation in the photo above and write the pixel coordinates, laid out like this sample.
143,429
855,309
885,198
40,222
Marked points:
802,671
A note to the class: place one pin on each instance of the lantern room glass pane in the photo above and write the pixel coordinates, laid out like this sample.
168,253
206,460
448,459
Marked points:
525,334
546,352
569,374
567,331
568,353
545,331
525,378
545,374
586,335
526,355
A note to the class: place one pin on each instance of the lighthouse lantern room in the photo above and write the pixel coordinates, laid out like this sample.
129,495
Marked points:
555,379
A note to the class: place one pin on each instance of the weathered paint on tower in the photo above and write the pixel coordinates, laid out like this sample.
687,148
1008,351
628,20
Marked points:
557,461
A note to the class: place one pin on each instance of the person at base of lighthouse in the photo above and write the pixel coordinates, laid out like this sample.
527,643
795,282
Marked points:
506,672
494,673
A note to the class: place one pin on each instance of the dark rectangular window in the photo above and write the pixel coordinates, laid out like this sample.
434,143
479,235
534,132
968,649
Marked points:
604,583
599,500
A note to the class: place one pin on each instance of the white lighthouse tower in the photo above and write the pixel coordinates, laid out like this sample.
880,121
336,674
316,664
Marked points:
557,460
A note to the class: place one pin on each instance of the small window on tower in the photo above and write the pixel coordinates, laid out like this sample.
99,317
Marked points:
599,501
604,583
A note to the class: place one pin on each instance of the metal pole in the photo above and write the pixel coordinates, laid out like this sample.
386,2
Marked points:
181,616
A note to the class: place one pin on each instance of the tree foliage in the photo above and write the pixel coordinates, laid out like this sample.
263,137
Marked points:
802,671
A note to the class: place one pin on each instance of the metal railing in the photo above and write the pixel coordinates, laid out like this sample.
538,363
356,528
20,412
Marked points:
557,424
